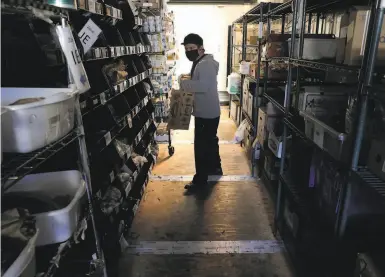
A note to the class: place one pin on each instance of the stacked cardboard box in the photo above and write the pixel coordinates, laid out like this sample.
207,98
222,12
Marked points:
354,27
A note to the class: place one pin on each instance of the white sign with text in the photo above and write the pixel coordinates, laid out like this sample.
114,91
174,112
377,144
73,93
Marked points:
89,34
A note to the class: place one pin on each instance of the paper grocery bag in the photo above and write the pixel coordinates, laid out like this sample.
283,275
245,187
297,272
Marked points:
181,105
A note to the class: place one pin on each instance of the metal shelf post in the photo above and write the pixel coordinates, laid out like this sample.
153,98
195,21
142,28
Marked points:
286,106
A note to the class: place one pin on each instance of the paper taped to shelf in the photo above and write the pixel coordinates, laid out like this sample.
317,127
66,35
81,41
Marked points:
74,61
89,34
181,105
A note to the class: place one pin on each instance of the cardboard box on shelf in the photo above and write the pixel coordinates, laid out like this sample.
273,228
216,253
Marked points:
355,24
253,40
266,122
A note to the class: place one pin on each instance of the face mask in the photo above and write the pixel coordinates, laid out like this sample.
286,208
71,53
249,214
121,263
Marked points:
192,55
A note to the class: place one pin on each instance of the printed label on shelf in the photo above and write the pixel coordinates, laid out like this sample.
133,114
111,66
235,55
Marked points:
118,51
137,109
121,87
116,89
112,176
135,208
112,50
97,53
318,136
89,34
83,105
74,61
92,6
104,52
103,98
129,121
95,101
128,188
107,138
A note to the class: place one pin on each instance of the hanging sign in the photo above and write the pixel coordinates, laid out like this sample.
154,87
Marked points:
89,34
74,61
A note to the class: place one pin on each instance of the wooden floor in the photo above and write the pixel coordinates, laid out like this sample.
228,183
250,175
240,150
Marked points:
174,234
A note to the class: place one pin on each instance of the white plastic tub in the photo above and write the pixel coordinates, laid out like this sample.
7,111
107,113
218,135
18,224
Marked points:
25,264
59,225
316,48
25,128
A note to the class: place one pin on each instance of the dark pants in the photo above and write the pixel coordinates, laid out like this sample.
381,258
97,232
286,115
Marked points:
206,148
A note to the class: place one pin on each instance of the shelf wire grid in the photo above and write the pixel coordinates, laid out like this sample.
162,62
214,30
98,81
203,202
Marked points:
22,164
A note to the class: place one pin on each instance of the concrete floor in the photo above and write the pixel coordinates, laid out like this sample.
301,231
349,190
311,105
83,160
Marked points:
169,225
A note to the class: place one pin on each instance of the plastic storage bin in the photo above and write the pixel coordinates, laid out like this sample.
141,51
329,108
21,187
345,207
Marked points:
316,48
28,127
25,264
323,100
59,225
325,137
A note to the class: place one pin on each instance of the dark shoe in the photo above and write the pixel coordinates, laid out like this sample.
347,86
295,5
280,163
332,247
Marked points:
193,186
216,172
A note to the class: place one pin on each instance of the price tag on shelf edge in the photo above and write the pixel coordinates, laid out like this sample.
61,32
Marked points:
95,101
92,6
104,52
112,176
142,191
118,52
107,138
121,87
129,121
103,98
112,49
97,53
135,208
83,105
318,136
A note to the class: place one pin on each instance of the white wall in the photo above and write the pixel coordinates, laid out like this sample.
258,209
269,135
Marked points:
211,23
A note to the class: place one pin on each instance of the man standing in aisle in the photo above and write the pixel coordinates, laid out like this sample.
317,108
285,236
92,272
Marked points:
207,111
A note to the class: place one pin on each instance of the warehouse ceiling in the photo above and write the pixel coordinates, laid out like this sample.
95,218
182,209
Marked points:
209,2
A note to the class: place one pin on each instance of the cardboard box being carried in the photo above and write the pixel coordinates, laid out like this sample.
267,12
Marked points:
181,107
355,25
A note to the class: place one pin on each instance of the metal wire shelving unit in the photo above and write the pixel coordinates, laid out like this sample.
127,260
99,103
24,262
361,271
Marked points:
358,182
93,152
